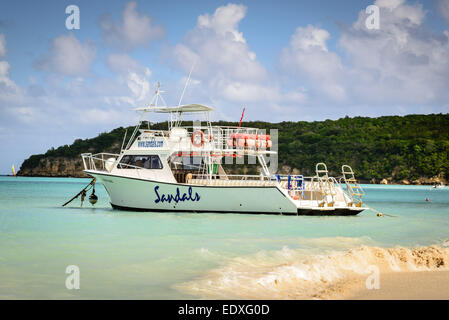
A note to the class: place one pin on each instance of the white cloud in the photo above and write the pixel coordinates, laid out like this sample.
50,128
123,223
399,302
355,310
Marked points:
443,6
229,72
135,29
124,64
90,104
225,20
9,90
56,110
244,92
140,87
67,56
216,46
309,37
308,59
4,69
401,64
2,45
134,75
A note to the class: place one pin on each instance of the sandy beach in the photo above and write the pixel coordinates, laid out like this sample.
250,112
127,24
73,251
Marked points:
397,273
420,285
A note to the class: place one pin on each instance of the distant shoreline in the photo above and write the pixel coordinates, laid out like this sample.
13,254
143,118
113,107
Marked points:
360,181
20,176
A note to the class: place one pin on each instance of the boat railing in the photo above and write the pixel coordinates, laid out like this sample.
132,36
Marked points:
243,177
242,139
155,133
107,161
300,187
230,180
324,190
98,161
309,188
226,139
230,139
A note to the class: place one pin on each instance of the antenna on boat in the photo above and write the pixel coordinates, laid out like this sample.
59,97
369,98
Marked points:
124,138
158,94
178,118
153,103
187,82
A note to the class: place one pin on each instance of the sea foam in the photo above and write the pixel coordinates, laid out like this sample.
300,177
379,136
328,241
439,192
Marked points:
291,274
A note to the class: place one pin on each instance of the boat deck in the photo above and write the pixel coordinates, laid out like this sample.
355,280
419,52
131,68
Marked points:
232,183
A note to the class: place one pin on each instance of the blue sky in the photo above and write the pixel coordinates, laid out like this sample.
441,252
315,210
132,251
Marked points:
282,60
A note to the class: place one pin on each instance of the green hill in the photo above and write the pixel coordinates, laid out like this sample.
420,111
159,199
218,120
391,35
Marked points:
401,147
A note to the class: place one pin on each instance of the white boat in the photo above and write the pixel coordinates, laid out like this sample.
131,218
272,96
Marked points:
181,169
438,185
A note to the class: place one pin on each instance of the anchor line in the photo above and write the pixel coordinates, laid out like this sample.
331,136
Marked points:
86,188
382,214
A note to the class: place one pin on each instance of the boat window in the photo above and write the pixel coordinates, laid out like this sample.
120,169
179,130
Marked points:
156,162
192,163
146,161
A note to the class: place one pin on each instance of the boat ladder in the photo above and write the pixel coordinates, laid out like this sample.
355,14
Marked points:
326,185
353,188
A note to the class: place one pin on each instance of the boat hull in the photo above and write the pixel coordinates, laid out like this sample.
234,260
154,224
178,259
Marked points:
146,195
301,212
134,194
335,212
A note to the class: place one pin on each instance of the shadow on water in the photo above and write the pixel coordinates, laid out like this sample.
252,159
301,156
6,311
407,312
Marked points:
85,209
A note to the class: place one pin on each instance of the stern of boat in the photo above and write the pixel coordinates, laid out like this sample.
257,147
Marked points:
322,194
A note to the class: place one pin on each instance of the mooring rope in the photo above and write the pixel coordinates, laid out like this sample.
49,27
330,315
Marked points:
380,214
91,184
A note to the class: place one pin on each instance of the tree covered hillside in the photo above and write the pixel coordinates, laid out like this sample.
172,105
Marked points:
401,147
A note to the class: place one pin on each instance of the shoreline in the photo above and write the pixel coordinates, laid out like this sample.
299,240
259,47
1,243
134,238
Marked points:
360,181
360,273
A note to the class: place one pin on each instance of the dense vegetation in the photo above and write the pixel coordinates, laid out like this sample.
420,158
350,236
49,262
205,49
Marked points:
406,147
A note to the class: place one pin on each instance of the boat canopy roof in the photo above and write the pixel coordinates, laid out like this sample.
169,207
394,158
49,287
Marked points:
187,108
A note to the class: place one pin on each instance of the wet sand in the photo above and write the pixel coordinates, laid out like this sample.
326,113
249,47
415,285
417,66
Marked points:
423,285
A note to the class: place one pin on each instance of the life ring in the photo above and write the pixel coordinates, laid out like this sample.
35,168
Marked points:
198,138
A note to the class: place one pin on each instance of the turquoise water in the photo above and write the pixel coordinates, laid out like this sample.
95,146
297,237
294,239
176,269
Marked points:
131,255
